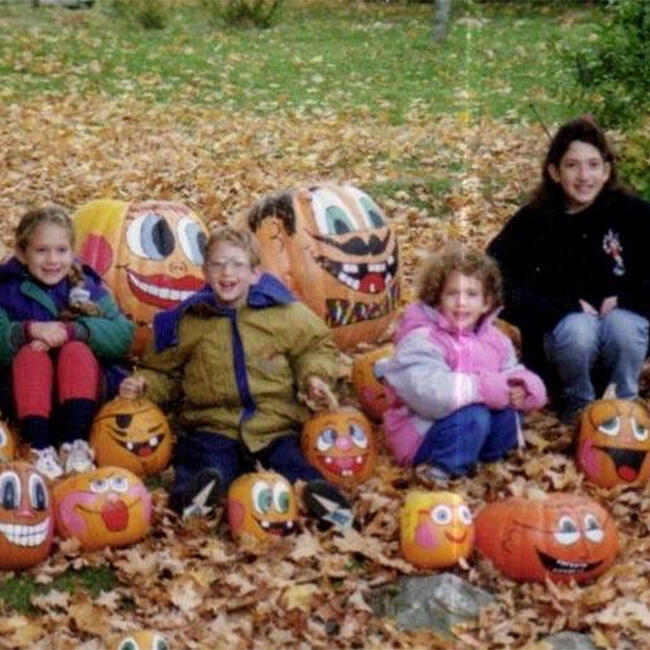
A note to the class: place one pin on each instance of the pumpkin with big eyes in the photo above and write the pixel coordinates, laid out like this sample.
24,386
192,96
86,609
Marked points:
371,392
26,516
109,506
133,434
563,537
613,443
143,640
262,505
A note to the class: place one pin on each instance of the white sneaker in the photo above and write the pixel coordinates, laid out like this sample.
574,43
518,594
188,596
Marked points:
77,457
46,461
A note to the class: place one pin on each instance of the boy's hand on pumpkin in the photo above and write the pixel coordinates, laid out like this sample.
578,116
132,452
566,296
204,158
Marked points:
133,387
53,334
608,304
319,394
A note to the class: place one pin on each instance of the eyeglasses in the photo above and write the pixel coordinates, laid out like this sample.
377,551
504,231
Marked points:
238,266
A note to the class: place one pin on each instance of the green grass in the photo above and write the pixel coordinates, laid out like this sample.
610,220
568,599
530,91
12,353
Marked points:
375,58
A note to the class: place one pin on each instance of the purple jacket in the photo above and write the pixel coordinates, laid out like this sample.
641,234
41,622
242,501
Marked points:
437,370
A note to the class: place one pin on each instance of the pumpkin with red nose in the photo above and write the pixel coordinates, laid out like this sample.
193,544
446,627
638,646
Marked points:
335,249
563,537
371,392
614,443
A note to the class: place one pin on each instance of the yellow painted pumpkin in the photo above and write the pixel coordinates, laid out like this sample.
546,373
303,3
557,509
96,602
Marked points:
334,248
563,537
341,445
109,506
7,443
262,505
436,529
614,442
150,254
133,434
371,392
143,640
26,516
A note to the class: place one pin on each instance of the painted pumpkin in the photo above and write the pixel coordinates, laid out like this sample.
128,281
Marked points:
26,516
150,254
262,505
109,506
614,442
436,529
133,434
334,248
563,537
341,445
7,443
143,640
371,392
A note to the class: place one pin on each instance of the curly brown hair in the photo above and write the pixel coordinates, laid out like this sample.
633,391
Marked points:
439,266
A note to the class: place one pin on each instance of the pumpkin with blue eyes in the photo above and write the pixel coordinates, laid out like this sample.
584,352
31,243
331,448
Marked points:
614,443
109,506
143,640
7,443
371,392
26,516
150,254
335,249
563,537
341,445
262,505
436,529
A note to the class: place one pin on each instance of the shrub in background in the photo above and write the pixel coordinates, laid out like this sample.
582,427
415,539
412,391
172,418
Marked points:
241,13
150,14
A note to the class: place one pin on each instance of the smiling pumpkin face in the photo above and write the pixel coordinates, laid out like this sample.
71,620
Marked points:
436,529
563,537
262,505
109,506
26,517
133,434
332,246
150,254
614,442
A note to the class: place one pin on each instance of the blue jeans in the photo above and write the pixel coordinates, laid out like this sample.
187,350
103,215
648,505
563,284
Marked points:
457,442
616,343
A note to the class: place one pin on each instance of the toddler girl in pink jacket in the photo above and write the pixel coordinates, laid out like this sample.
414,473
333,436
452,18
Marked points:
458,387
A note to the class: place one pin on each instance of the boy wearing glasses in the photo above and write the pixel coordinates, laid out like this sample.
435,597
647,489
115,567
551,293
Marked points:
238,351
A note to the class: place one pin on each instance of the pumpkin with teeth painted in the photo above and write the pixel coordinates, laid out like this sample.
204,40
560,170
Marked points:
334,248
150,254
132,433
262,505
341,445
614,443
26,516
563,537
436,529
371,392
143,640
109,506
7,443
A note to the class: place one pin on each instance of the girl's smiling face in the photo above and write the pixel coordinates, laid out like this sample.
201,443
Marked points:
48,254
229,272
582,173
463,301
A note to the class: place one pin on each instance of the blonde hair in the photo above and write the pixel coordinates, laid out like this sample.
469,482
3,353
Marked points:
49,214
243,239
439,266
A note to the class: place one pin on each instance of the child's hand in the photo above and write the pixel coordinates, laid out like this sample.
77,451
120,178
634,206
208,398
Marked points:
133,387
53,334
608,304
516,394
587,308
39,346
319,394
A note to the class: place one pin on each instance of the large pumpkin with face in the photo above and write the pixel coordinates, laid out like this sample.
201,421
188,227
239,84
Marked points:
563,537
132,433
262,505
7,443
26,516
614,443
150,254
371,392
341,445
143,640
436,529
334,248
109,506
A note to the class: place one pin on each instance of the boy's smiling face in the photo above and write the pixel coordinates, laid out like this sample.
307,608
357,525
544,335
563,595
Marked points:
229,272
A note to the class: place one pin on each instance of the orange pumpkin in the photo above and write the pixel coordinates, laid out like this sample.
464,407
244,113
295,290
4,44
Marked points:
7,443
150,254
262,505
133,434
341,445
334,248
436,529
143,640
614,442
563,537
26,516
371,392
109,506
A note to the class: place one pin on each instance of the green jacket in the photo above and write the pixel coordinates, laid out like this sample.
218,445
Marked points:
245,390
